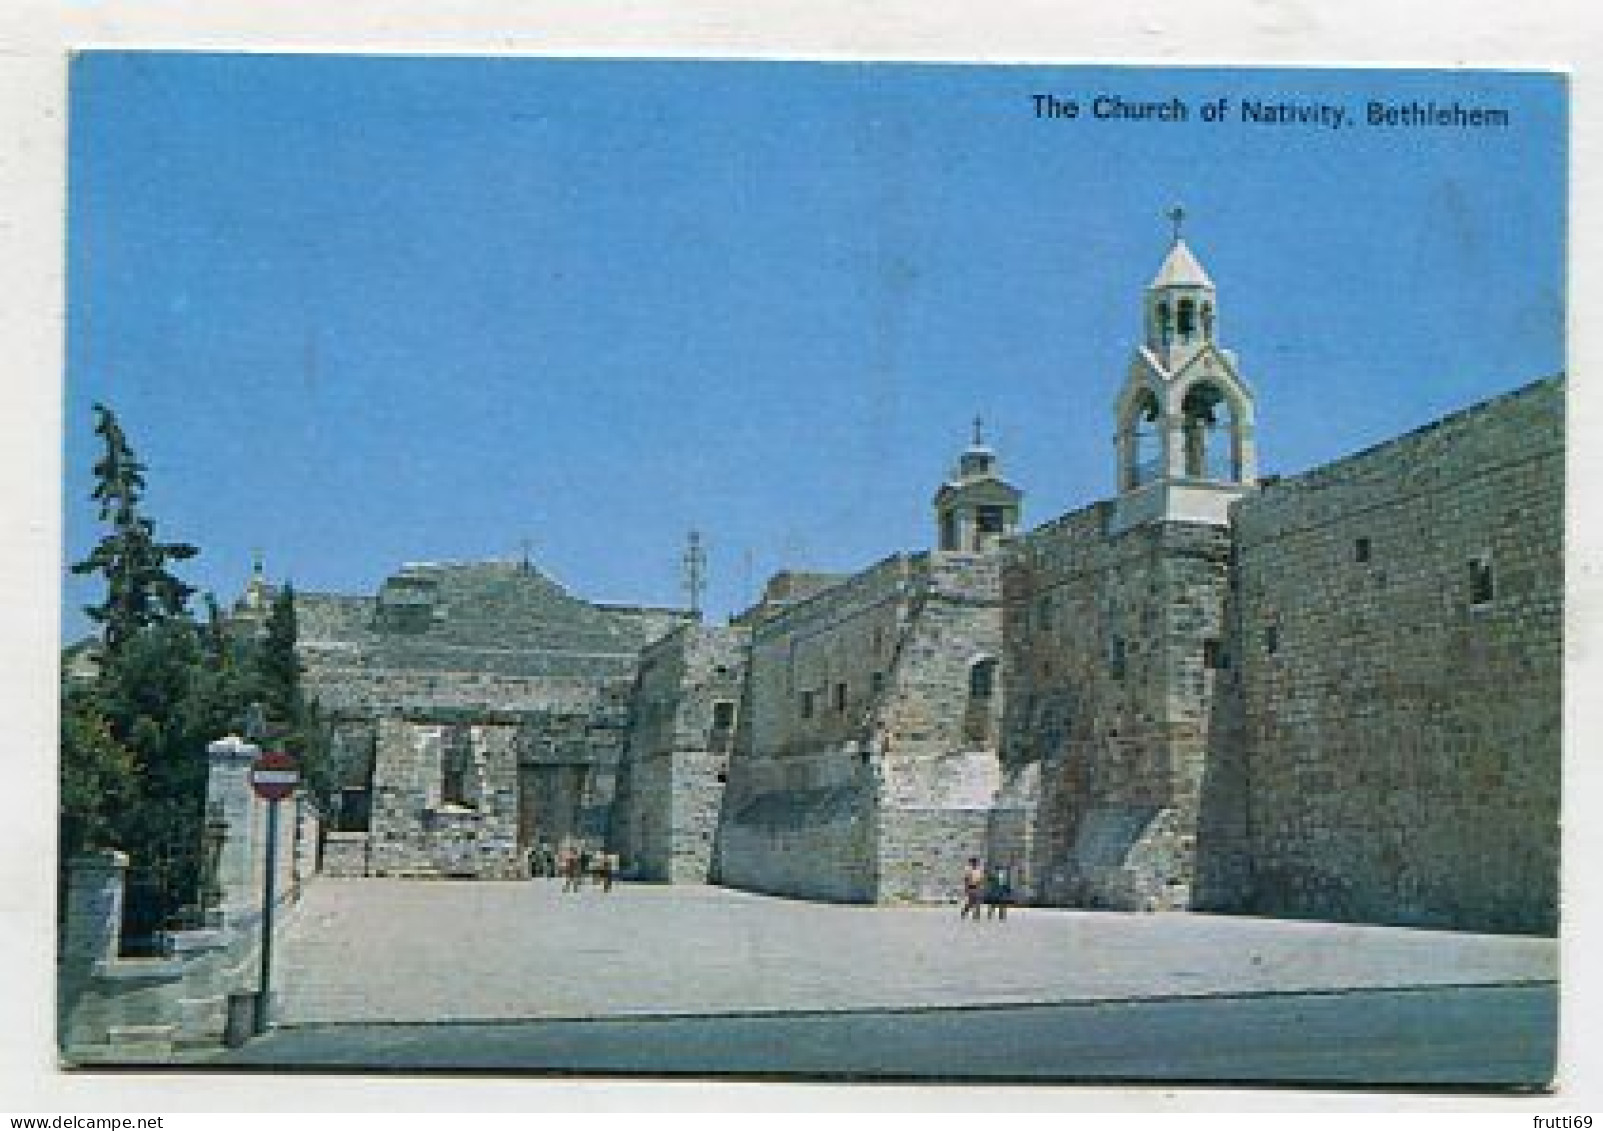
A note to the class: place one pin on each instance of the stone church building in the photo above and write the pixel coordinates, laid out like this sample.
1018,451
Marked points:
1335,694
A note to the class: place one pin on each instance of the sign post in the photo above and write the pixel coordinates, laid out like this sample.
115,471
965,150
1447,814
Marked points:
273,777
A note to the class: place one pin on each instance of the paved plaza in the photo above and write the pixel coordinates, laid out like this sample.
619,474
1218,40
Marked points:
372,951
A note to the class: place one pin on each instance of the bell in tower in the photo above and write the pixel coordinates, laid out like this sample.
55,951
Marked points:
1185,414
977,508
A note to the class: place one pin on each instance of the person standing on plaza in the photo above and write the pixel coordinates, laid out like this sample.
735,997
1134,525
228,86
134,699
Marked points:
998,891
973,888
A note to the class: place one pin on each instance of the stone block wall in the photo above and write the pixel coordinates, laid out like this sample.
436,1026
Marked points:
686,711
1400,628
117,1010
800,810
1114,643
417,829
935,743
871,769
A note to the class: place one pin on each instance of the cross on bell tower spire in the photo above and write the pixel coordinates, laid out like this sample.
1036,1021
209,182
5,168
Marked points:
1177,217
979,435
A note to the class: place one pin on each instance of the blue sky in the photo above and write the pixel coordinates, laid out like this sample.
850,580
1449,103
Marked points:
360,311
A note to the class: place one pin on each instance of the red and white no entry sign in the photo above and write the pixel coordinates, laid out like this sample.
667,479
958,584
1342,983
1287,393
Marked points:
274,776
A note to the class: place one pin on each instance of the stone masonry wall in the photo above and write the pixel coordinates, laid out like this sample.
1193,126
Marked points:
1402,737
1109,645
672,776
799,813
416,829
936,744
870,773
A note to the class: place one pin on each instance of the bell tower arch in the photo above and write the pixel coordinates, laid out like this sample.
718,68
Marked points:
1184,418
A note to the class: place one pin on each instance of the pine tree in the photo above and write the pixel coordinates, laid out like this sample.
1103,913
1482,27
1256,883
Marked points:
139,589
294,718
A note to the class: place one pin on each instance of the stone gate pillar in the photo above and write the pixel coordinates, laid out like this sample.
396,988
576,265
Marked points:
94,907
229,798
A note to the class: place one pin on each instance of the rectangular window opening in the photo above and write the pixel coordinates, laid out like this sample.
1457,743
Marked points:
1482,582
1361,551
1116,658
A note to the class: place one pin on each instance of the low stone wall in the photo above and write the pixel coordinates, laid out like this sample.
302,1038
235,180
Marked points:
112,1009
345,855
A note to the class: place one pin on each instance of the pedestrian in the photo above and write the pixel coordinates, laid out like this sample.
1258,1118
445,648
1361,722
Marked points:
531,861
973,888
998,891
604,868
570,869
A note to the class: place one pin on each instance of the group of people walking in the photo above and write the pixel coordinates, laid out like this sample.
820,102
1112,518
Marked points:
989,887
573,865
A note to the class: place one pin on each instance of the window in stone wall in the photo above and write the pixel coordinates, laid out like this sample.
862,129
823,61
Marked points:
840,698
876,683
723,715
1271,639
453,774
979,719
1043,611
1482,583
1361,551
807,704
1116,657
1214,656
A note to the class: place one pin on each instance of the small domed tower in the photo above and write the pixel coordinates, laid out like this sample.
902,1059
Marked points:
1185,414
977,508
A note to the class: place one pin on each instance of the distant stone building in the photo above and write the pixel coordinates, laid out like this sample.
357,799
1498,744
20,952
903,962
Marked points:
478,709
1334,695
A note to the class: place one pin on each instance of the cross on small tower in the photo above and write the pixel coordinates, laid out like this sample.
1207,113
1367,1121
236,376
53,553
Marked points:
527,562
256,562
979,435
1177,216
695,572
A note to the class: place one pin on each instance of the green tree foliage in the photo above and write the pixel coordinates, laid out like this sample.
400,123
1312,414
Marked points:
139,589
134,738
295,721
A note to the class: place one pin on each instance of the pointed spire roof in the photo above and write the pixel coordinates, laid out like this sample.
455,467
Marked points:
1181,269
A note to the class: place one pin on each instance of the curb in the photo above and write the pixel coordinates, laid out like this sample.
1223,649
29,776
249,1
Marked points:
902,1010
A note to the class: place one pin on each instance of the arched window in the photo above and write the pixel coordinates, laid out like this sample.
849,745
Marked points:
1165,327
979,721
1141,442
1186,319
982,679
1212,434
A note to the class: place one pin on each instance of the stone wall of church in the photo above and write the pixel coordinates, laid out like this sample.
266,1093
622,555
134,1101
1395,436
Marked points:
1113,647
671,780
934,740
869,773
1401,654
446,801
799,812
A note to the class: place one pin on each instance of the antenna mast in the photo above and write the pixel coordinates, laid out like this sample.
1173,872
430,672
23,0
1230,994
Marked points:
694,567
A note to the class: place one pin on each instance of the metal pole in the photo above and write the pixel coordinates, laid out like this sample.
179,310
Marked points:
264,995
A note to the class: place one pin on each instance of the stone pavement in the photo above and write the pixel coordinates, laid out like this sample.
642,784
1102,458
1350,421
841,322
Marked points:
397,950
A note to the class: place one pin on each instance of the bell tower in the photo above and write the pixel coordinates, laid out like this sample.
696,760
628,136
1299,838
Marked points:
1185,414
976,508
